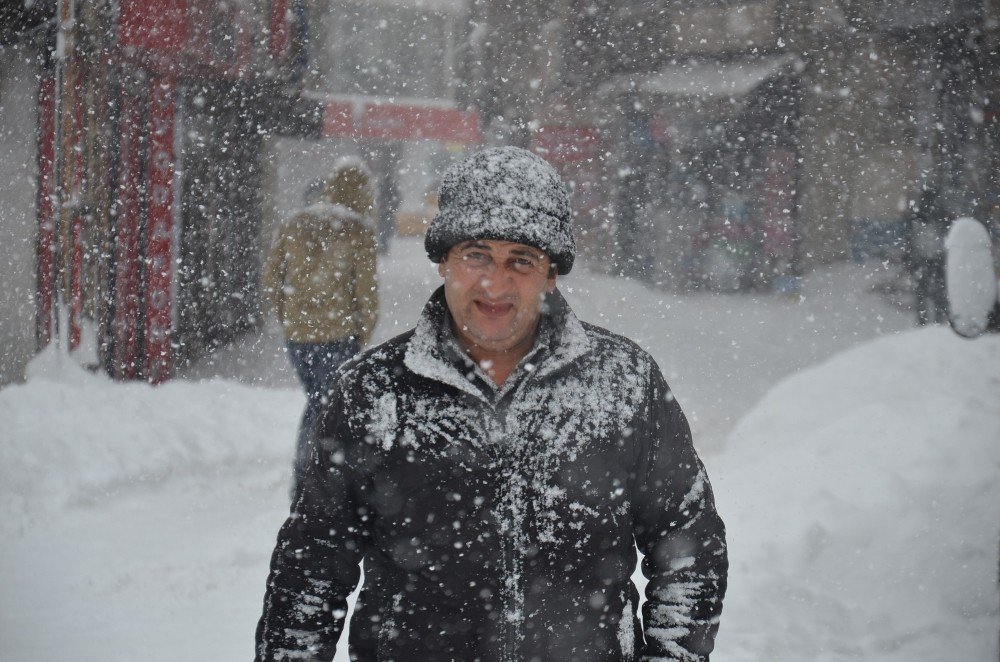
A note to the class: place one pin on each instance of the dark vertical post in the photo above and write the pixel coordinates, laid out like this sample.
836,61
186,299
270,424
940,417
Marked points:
127,250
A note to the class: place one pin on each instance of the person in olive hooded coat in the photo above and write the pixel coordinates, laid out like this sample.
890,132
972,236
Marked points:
320,279
496,467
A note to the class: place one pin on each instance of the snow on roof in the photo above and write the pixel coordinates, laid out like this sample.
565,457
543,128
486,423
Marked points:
441,6
708,78
910,14
361,100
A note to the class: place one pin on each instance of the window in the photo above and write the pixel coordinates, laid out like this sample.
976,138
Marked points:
383,50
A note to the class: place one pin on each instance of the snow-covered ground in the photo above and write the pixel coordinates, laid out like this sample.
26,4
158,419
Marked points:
856,463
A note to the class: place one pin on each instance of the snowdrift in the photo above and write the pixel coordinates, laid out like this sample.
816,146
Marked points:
862,499
70,436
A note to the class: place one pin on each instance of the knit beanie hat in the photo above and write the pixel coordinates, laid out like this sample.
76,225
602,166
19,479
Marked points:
503,194
350,185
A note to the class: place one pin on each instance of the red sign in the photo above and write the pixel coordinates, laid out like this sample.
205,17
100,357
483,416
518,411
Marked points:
386,121
338,119
156,25
567,143
377,120
160,228
196,37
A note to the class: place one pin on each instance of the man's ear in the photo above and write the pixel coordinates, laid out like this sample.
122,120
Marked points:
441,268
550,285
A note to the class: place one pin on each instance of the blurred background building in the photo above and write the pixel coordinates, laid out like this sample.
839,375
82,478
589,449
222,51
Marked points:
727,145
753,139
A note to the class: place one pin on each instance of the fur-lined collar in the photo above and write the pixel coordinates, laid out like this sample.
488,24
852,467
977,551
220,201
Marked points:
331,213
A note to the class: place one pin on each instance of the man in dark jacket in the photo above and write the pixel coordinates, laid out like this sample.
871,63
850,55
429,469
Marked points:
496,467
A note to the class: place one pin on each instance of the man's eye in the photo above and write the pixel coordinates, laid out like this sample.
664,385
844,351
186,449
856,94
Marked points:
477,258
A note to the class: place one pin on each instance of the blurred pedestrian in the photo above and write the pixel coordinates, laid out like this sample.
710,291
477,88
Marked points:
927,227
320,278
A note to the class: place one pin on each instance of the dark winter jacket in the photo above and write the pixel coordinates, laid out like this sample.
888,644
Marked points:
500,524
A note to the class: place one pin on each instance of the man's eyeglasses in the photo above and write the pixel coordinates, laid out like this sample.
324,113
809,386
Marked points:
475,259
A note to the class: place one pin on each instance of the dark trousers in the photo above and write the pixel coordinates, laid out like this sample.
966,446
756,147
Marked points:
316,365
931,300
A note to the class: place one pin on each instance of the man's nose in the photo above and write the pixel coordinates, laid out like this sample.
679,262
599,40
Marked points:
495,281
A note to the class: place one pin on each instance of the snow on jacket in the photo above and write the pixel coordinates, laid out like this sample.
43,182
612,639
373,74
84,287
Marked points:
320,276
500,524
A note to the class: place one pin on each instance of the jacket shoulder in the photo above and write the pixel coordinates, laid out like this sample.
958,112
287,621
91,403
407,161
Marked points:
322,215
607,343
297,220
382,360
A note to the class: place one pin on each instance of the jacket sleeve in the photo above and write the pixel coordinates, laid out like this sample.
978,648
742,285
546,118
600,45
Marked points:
680,534
316,562
365,286
273,278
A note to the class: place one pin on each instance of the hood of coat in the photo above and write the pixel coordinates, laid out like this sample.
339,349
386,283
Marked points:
426,354
351,185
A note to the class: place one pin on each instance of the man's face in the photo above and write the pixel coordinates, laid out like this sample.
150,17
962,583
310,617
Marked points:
494,291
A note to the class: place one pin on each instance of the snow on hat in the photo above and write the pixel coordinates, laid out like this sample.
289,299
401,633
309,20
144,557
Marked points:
504,194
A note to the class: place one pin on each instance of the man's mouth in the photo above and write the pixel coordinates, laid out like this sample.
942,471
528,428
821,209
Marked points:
493,309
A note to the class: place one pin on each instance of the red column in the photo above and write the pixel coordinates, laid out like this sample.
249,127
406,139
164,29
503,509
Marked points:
126,259
160,228
76,284
75,186
46,210
777,202
279,42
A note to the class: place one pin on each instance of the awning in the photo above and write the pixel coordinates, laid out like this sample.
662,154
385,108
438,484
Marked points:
705,78
689,102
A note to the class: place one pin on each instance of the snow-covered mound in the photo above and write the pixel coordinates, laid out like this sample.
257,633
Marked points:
862,499
72,436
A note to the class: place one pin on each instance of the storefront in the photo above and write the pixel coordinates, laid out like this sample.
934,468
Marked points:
153,173
719,210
